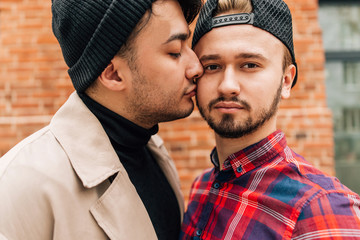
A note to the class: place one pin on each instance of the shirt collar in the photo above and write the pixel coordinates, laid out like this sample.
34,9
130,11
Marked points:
254,155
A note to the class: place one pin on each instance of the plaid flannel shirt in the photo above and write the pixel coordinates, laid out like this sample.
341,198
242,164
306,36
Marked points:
267,191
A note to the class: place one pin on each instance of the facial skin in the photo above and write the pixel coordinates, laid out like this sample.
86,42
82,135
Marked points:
157,86
243,82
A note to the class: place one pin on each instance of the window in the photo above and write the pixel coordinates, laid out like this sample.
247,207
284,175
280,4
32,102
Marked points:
339,20
352,73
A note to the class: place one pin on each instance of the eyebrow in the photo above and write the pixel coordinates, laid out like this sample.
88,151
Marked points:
251,55
178,36
210,57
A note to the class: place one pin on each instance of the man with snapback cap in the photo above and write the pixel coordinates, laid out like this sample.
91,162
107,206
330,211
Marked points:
99,171
259,188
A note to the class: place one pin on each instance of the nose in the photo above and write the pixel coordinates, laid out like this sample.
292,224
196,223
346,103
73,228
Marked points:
229,85
194,68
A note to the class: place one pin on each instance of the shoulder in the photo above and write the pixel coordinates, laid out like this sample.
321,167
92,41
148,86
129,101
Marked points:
41,139
29,172
33,162
299,170
32,149
298,183
324,206
314,200
329,214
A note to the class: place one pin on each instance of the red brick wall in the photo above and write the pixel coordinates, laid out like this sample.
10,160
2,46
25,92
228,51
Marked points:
33,78
34,84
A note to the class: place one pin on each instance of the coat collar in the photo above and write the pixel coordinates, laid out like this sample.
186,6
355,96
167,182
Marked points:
85,142
89,149
94,160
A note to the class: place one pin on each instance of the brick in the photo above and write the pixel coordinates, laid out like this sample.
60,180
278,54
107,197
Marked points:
46,39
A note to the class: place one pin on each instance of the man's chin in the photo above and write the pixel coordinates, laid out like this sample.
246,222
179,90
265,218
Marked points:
233,134
226,128
180,114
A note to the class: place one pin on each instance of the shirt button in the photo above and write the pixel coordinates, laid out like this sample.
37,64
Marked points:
216,185
239,169
198,233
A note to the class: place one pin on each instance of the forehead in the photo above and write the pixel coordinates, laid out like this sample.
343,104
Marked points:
232,40
165,20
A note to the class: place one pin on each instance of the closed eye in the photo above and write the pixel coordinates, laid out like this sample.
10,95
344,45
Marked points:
175,55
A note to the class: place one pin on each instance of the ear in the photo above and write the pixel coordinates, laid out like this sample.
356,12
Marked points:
288,79
112,77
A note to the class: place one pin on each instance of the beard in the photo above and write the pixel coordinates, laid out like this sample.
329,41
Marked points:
228,127
152,105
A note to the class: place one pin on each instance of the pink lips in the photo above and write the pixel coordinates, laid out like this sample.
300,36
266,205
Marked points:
191,92
228,107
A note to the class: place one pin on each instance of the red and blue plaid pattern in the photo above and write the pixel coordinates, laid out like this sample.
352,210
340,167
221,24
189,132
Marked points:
267,191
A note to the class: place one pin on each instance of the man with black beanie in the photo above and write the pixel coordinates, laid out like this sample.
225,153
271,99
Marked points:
259,188
99,171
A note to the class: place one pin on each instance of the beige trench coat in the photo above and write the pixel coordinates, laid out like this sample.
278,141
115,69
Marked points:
54,184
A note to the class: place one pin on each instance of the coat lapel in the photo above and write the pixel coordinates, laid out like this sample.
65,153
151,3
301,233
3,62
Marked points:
119,211
85,142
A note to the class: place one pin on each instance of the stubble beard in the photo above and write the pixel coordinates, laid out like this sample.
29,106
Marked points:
228,127
152,111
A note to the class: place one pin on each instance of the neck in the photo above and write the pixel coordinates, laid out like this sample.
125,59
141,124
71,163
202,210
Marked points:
115,101
228,146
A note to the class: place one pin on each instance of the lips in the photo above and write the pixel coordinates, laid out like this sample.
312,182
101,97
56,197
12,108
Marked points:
191,92
228,105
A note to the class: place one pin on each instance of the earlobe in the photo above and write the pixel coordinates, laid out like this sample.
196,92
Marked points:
288,79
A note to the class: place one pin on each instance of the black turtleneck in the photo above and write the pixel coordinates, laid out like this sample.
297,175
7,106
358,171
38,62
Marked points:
129,141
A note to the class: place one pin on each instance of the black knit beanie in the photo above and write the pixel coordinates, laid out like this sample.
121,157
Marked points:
91,32
272,16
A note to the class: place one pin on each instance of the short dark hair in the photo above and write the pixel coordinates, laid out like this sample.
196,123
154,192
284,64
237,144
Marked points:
190,10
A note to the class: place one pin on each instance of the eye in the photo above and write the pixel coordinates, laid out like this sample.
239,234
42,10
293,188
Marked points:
175,55
250,65
211,67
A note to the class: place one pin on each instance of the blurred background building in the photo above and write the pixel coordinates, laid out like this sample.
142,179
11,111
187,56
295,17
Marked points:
320,120
340,22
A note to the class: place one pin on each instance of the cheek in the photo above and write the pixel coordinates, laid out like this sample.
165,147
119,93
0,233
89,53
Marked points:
169,74
262,99
205,91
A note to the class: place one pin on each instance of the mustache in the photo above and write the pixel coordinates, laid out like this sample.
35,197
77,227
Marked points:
234,99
